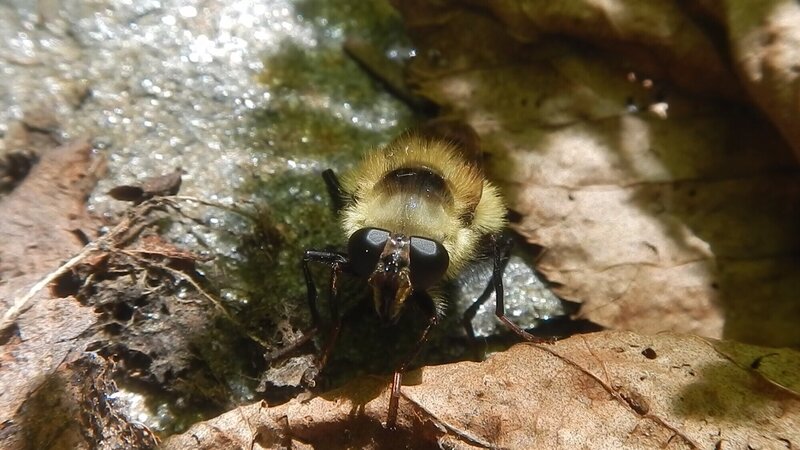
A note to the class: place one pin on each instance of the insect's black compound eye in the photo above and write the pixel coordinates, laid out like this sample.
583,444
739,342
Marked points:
429,261
364,249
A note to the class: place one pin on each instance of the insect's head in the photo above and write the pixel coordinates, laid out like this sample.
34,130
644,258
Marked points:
395,265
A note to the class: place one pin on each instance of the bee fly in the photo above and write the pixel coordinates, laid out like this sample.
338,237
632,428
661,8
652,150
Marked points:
415,213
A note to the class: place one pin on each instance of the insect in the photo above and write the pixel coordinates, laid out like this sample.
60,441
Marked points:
415,213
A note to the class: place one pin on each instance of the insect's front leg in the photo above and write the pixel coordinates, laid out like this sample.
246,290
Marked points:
502,252
338,263
499,266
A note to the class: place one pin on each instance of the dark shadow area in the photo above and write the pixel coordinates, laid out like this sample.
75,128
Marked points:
773,365
727,392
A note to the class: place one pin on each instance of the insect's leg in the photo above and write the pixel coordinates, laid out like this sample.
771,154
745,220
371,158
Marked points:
333,305
470,313
397,377
394,400
337,262
502,251
309,256
334,189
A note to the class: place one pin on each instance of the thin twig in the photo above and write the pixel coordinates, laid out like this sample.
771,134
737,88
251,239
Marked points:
230,208
21,303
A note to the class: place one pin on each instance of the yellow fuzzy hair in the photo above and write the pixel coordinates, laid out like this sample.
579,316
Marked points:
471,193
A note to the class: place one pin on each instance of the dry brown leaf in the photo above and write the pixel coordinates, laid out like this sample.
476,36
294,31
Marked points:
603,390
39,216
764,39
35,236
658,209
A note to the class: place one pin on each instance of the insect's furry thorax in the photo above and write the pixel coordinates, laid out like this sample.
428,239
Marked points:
423,187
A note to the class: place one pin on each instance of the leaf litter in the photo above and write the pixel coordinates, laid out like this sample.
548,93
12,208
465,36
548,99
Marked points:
659,210
78,314
596,391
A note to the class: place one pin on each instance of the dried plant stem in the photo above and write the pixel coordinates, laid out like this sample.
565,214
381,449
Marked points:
19,306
